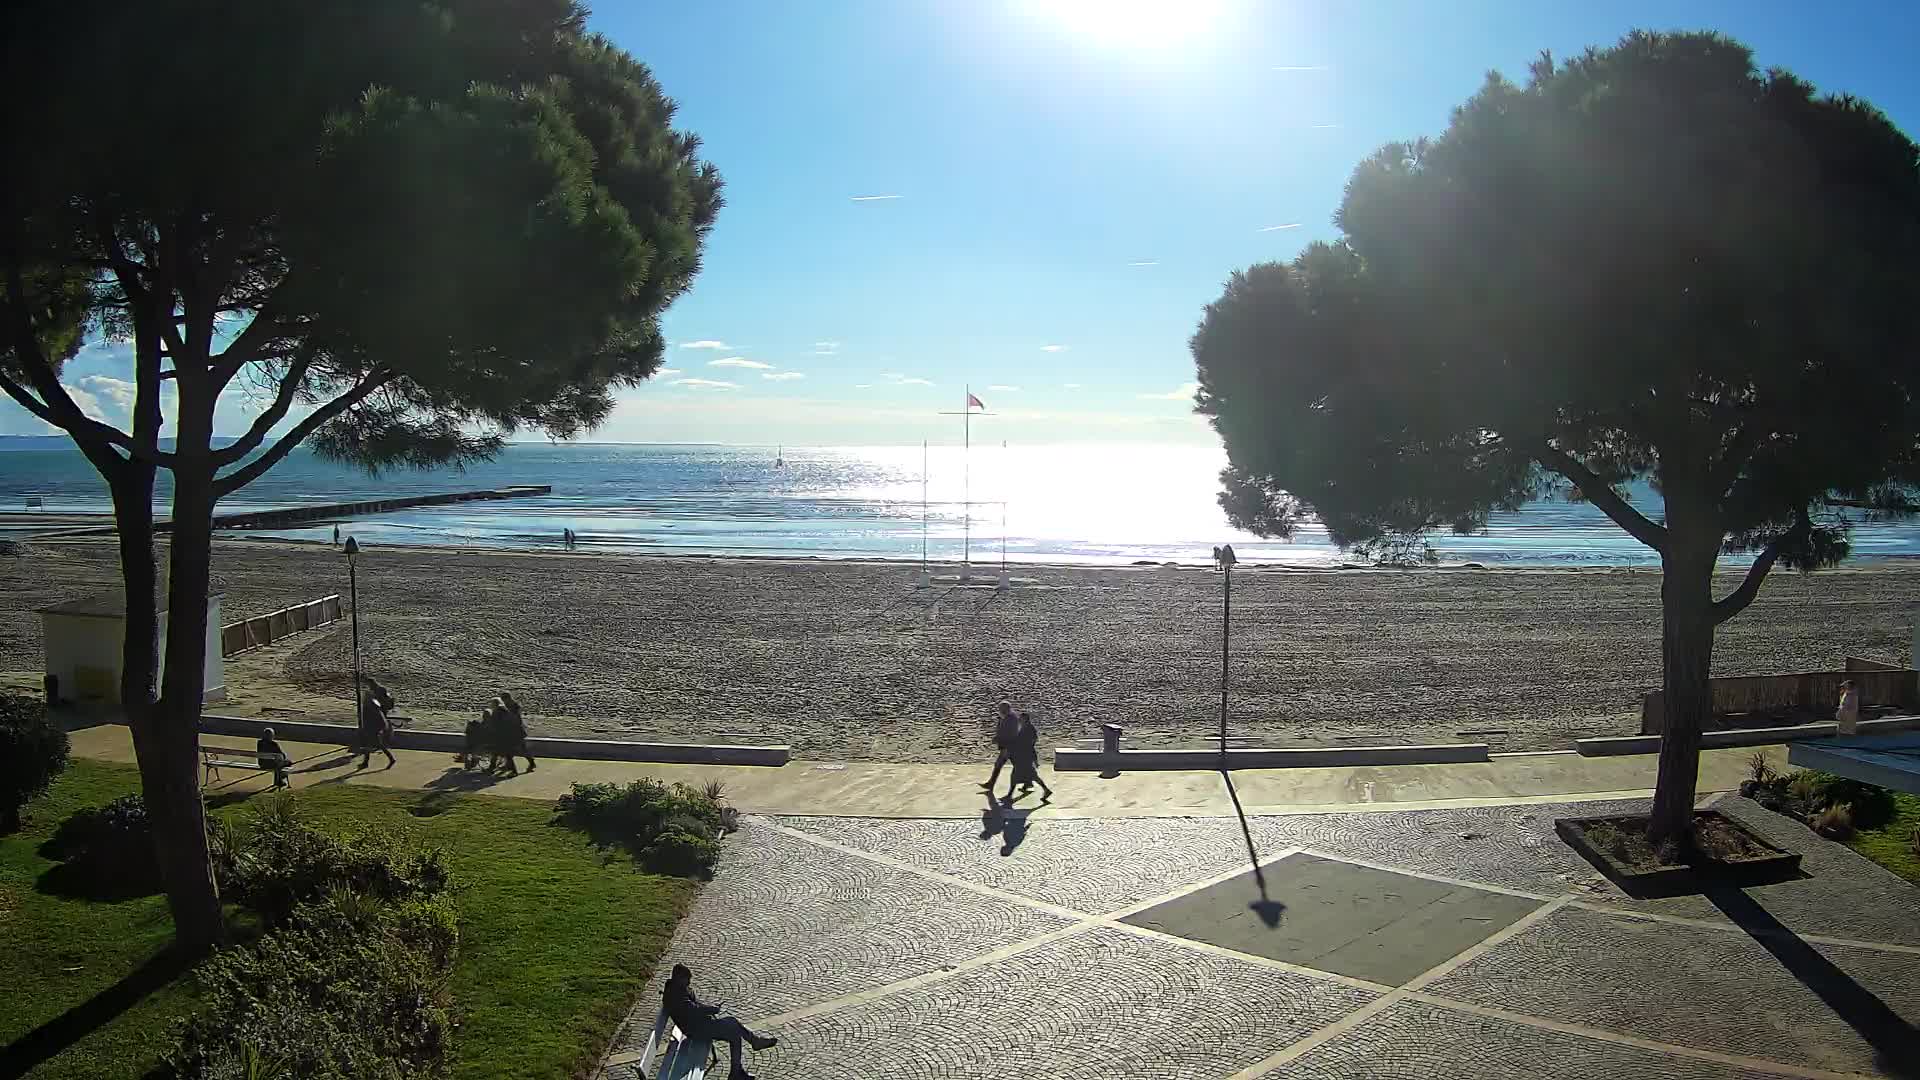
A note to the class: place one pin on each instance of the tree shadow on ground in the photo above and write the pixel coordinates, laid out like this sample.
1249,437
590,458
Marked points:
1266,907
1894,1040
27,1052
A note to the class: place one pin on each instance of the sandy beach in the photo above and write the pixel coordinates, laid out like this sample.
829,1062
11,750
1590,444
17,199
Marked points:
849,661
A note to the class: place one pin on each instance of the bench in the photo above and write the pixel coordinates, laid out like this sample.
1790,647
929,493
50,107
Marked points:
685,1059
215,758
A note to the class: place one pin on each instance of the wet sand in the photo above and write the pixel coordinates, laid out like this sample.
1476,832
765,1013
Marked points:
849,661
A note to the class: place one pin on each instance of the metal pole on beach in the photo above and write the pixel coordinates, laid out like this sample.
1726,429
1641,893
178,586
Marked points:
966,485
1226,631
353,593
923,508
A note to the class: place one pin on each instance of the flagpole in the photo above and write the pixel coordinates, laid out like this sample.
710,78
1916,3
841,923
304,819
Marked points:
966,484
923,508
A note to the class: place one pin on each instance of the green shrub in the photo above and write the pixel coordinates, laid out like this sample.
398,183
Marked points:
1871,806
107,850
348,986
1835,822
681,853
280,862
32,752
644,817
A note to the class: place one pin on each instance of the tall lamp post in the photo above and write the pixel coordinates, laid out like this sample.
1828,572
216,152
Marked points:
353,591
1227,559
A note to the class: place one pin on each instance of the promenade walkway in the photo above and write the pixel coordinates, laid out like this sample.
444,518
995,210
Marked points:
1416,922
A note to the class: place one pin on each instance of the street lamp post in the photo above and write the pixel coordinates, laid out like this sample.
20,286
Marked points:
1226,630
353,593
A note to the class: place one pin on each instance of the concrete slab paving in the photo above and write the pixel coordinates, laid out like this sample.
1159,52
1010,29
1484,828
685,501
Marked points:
1335,916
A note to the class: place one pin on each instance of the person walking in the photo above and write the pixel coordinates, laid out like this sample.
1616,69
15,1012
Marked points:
376,731
1005,727
698,1020
1024,752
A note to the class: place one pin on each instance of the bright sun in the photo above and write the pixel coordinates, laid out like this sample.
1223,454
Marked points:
1131,23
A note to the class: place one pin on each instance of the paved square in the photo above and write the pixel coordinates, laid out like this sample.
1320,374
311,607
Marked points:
919,949
1351,920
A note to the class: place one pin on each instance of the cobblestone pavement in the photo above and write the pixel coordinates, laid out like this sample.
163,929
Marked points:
923,949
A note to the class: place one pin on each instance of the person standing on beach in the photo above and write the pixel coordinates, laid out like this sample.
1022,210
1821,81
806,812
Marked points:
1005,728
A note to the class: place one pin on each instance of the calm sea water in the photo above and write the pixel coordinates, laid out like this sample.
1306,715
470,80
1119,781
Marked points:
1043,504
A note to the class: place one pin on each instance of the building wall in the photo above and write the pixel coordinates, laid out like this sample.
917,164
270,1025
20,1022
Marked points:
84,652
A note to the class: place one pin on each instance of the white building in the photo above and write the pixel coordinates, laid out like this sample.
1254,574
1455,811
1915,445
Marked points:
84,642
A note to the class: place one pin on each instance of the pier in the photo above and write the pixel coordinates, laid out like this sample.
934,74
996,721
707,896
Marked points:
271,519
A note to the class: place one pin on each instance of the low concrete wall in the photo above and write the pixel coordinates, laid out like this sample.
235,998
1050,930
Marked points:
1818,691
1069,759
1711,740
451,742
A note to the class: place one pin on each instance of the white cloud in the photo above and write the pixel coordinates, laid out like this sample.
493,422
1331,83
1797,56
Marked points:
896,379
1053,348
740,362
1277,228
1183,392
1144,262
862,386
105,387
781,376
706,384
665,371
1323,127
1070,386
705,343
998,389
826,346
1302,67
87,403
875,198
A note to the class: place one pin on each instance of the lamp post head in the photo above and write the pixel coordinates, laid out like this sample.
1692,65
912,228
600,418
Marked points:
352,547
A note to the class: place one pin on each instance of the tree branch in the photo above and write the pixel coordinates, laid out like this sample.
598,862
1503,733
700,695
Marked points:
1602,495
282,401
1726,472
54,405
234,481
1736,601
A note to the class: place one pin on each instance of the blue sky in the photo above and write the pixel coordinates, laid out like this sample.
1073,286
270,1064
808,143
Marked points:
1070,182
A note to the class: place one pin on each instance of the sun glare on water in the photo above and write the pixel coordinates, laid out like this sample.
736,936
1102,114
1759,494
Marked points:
1131,23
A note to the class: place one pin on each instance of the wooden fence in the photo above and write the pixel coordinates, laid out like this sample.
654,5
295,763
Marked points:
266,629
1814,692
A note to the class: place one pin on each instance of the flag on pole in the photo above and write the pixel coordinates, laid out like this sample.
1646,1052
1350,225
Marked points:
974,402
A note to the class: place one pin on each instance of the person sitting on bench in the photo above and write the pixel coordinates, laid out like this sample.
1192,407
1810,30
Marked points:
698,1021
272,757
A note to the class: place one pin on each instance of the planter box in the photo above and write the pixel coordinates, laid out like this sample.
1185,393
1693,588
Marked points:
1771,865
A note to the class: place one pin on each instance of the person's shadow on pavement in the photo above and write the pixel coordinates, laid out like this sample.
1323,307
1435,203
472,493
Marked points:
1009,824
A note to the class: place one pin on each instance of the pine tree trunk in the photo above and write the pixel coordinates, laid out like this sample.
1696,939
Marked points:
169,769
1686,656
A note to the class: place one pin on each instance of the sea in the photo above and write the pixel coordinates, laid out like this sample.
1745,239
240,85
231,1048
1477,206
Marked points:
1110,505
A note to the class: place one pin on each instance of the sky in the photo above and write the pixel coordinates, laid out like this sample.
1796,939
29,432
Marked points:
1036,199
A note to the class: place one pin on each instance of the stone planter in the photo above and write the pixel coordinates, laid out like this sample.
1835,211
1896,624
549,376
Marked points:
1764,864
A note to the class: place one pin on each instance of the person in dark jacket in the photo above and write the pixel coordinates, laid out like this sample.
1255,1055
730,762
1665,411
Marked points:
697,1020
1024,752
1005,726
376,731
272,757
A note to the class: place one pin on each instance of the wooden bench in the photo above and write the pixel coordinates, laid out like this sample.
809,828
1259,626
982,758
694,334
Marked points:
685,1059
215,758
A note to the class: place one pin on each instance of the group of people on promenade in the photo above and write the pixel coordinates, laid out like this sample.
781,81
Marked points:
1018,743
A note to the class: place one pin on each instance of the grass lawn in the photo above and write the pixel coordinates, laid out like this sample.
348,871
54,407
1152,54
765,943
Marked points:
1892,846
556,939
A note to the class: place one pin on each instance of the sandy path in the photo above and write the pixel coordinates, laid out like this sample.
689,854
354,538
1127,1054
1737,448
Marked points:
848,660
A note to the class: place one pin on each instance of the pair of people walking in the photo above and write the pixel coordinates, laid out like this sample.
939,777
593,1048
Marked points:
1018,743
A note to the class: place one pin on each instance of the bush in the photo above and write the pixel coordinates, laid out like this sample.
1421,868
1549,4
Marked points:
108,850
348,986
32,752
681,853
1835,822
1871,806
664,826
280,862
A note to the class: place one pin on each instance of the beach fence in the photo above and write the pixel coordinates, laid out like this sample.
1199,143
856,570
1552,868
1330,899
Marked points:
1815,692
266,629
